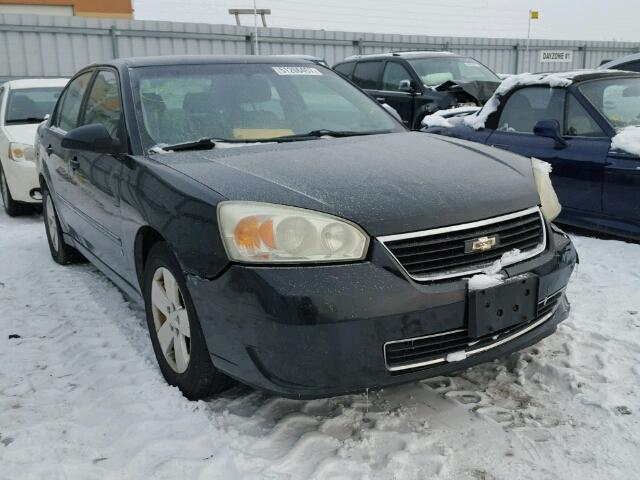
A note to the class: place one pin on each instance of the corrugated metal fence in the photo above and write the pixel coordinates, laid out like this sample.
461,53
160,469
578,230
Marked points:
47,46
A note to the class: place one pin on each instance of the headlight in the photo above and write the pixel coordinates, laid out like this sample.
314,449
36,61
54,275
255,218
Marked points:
21,151
265,233
548,199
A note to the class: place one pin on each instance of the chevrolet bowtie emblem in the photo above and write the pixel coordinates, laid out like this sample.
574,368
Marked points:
481,244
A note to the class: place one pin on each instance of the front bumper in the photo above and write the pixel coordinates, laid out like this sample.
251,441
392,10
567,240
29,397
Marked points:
22,179
318,331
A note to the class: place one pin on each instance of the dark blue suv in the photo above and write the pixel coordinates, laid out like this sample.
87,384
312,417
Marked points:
583,123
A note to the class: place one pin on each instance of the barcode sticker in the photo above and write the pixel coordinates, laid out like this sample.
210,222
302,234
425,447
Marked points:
297,71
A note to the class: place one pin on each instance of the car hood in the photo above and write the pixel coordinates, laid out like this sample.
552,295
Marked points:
23,133
387,184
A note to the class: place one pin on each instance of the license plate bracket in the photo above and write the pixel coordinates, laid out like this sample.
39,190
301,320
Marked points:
502,306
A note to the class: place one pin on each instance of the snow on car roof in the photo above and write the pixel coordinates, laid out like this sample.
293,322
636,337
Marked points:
36,82
554,79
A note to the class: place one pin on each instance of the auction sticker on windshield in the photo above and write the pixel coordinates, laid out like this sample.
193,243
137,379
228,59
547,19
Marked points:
297,71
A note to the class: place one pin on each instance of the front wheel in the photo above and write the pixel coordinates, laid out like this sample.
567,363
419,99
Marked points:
12,207
178,341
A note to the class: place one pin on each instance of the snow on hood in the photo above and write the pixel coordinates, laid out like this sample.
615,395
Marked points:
477,121
23,133
449,117
627,140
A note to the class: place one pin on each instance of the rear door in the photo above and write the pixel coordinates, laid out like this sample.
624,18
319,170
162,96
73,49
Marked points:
56,159
402,101
366,75
96,175
578,167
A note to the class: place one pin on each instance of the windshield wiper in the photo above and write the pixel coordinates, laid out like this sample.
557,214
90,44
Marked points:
200,144
324,133
24,120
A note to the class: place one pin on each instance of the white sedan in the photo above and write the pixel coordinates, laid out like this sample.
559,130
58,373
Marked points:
23,105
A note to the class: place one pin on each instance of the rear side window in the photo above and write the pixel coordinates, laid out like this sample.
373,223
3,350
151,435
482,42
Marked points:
68,114
527,106
366,74
393,74
345,69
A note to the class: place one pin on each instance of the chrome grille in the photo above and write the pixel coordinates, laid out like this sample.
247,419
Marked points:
412,354
445,253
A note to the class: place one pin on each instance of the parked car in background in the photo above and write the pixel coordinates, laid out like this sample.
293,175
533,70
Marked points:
586,126
23,105
629,63
417,84
283,229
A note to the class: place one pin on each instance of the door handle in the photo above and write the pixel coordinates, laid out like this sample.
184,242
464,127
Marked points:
74,164
381,99
49,150
503,147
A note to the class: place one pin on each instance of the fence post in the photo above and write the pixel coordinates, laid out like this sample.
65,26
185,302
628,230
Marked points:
516,50
358,47
250,46
113,33
584,56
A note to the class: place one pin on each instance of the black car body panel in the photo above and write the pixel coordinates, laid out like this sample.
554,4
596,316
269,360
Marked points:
299,330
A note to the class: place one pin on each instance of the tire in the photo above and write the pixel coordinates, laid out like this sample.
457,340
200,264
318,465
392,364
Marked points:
12,207
61,252
171,316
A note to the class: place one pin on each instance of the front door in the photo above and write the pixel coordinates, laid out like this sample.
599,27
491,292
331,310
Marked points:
96,175
393,94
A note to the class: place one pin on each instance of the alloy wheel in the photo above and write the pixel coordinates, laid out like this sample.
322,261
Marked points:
171,320
51,222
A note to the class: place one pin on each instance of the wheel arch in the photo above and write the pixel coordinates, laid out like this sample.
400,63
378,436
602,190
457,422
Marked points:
146,238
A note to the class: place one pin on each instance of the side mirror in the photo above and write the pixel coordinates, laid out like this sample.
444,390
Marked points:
93,138
406,86
550,129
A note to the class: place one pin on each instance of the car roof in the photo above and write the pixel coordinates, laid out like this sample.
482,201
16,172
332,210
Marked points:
36,83
405,54
596,74
167,60
618,61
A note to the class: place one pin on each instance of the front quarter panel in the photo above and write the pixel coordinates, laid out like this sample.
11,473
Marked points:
180,209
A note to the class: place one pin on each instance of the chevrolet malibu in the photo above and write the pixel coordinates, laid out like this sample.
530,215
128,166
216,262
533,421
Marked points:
23,105
284,230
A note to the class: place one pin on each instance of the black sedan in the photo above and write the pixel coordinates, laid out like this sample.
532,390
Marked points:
282,229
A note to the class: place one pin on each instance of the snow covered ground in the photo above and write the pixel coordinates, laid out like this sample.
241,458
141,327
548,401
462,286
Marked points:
81,397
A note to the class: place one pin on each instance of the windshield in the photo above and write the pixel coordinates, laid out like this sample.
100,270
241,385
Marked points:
436,71
618,99
249,102
30,105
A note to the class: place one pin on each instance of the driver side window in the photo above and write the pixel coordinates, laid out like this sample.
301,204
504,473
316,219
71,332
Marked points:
393,74
103,105
579,122
529,105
